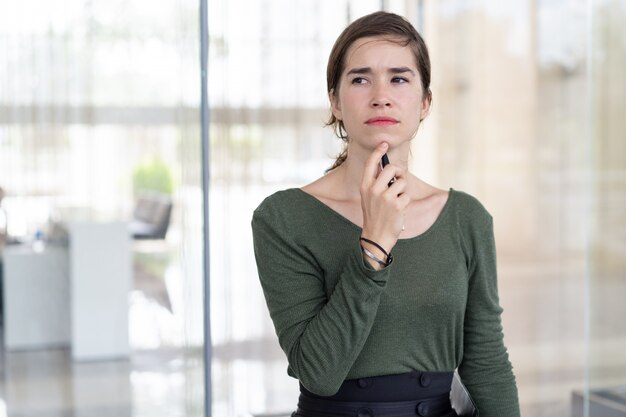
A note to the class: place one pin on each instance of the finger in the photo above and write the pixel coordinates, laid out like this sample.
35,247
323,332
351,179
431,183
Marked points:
398,187
400,172
389,174
371,165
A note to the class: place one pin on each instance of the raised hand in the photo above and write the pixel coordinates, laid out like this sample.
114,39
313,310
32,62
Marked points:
383,205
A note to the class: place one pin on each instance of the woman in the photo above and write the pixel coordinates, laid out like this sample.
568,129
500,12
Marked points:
380,285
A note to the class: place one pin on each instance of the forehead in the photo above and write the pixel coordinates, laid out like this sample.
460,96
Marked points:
379,50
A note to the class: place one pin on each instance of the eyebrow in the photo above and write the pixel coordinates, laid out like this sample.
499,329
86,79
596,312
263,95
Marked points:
368,70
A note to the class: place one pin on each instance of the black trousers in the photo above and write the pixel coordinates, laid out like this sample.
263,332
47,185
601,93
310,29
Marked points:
425,394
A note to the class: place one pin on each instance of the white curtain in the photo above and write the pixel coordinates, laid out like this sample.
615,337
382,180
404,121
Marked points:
90,91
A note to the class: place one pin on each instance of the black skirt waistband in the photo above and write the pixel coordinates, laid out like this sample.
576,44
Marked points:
411,386
428,407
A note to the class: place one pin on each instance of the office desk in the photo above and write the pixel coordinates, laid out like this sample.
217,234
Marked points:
76,296
101,271
36,297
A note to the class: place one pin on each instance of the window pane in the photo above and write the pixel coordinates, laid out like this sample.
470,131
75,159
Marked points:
99,133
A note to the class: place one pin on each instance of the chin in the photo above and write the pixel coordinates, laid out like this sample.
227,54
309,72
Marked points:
392,142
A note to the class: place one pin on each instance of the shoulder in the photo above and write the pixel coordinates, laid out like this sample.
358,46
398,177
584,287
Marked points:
286,209
279,204
472,220
474,225
278,200
468,208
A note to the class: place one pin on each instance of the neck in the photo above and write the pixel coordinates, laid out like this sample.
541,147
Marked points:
350,173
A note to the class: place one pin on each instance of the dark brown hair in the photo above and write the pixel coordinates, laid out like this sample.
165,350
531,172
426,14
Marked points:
378,24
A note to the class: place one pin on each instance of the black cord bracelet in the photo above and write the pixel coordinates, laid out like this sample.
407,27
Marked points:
375,244
374,257
387,255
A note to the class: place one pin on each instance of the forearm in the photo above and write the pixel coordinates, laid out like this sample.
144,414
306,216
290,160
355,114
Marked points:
322,349
322,330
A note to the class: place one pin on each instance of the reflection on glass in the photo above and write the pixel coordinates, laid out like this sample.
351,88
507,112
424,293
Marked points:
607,243
99,111
528,104
510,124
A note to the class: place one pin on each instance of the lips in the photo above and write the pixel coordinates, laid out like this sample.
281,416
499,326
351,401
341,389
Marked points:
381,121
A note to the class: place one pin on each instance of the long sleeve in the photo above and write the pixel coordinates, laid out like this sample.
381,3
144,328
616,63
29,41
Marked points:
435,308
485,368
321,333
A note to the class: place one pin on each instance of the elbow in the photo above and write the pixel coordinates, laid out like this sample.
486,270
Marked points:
318,370
319,387
317,377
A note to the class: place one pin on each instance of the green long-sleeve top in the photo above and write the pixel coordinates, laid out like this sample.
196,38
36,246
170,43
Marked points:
435,308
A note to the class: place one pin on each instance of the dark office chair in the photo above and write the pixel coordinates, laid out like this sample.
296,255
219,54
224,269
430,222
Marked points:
151,217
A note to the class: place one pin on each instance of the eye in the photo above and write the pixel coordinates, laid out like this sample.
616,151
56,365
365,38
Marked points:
359,80
399,80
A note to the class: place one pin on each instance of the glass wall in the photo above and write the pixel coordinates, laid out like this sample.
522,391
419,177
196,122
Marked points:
99,137
268,106
526,102
99,126
607,220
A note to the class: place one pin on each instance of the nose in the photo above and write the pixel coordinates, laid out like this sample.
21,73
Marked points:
380,97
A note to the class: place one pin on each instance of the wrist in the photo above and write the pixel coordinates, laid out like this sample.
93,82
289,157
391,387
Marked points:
375,254
383,244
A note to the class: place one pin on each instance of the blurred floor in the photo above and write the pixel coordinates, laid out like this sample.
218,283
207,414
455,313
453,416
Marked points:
159,379
544,329
48,383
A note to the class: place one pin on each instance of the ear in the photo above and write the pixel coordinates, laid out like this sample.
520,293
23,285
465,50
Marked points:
425,108
335,106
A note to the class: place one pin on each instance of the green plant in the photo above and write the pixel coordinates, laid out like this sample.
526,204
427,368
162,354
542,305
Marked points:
153,175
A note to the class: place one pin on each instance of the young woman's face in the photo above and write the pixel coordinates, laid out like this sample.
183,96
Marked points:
380,94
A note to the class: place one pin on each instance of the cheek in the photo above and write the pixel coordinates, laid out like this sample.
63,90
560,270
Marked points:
413,99
350,104
351,96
